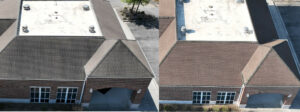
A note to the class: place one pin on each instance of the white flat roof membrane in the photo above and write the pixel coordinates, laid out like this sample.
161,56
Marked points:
58,18
217,20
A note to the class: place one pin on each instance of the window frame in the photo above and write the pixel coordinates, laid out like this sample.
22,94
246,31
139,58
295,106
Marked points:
66,95
225,97
40,93
201,97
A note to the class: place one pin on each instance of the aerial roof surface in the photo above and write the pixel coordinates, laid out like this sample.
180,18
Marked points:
58,18
215,20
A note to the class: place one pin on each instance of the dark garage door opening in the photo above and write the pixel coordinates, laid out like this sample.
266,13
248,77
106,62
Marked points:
111,99
265,101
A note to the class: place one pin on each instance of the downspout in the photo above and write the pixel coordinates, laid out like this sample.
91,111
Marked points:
241,95
82,89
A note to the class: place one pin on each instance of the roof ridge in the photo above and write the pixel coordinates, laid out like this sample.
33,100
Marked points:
257,64
162,56
264,58
8,35
101,52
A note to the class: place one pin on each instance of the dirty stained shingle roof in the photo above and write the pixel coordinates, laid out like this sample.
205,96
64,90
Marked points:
121,63
52,58
108,22
199,63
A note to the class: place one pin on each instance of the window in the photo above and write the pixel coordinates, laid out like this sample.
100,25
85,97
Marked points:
201,97
66,95
225,97
39,94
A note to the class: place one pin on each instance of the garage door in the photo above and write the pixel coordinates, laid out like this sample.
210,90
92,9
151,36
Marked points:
265,101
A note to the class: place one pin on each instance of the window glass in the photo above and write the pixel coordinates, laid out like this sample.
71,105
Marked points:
39,94
66,95
201,97
225,97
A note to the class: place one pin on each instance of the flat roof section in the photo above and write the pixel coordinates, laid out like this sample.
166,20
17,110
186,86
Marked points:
215,20
58,18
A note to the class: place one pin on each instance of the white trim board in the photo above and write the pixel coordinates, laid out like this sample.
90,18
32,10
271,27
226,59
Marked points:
14,100
174,102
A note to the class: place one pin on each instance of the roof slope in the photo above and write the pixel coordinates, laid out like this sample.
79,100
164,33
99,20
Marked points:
167,40
9,9
200,63
121,63
167,8
99,55
5,24
7,36
276,69
109,24
164,24
47,58
257,58
262,21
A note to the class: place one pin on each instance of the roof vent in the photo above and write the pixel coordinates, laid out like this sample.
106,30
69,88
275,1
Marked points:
92,29
26,7
239,1
247,30
25,28
183,30
86,7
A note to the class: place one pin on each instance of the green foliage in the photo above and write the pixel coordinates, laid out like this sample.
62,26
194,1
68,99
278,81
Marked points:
138,2
129,2
144,2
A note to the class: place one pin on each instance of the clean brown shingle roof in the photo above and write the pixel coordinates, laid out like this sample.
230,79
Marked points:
206,63
164,24
167,8
9,9
277,69
167,40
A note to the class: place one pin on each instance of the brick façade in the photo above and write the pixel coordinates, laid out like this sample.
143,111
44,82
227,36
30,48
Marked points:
132,84
186,93
20,89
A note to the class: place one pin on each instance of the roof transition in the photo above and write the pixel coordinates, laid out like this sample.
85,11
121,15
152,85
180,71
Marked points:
49,54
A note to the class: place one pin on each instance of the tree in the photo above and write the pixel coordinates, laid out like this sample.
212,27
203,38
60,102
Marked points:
142,2
129,2
134,2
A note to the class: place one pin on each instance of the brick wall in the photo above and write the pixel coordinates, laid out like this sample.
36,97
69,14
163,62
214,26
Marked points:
186,93
21,88
285,91
133,84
